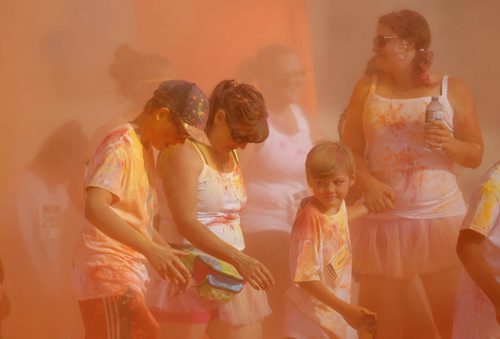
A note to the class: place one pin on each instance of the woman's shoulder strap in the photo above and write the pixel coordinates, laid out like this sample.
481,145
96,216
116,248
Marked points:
235,157
373,85
444,86
198,149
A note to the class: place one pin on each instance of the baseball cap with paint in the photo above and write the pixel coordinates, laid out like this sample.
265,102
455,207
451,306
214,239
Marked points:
190,105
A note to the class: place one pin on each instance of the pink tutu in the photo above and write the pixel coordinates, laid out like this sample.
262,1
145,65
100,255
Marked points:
245,308
403,248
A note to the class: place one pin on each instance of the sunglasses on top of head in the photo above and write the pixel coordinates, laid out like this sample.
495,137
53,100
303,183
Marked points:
381,40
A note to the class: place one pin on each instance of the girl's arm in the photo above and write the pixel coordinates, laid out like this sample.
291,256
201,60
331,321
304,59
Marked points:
378,196
358,317
179,168
465,146
163,258
356,211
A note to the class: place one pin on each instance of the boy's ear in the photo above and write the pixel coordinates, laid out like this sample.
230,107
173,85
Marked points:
353,180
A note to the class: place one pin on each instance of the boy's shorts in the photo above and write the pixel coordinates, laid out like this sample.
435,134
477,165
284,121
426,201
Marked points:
299,326
122,316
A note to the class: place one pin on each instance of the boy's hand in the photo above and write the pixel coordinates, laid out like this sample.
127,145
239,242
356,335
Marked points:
360,318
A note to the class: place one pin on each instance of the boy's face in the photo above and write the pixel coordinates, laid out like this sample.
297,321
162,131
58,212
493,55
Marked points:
331,190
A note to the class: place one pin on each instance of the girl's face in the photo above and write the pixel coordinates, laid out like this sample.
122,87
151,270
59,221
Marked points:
391,52
166,129
234,135
330,191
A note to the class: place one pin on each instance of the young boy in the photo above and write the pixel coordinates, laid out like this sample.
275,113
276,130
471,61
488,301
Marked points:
318,304
478,299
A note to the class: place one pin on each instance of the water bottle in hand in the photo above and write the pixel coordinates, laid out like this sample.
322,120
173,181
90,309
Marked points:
434,112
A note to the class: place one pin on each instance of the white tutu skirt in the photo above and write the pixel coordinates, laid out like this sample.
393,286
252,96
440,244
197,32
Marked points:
398,247
246,307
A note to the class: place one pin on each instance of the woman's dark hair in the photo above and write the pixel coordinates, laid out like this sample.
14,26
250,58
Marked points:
413,27
245,106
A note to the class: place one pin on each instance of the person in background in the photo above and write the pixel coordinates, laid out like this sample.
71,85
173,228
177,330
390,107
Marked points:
477,308
40,215
4,300
120,204
273,171
135,75
405,257
204,194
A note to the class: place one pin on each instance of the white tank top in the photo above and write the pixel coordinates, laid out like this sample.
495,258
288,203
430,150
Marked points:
423,180
274,176
221,196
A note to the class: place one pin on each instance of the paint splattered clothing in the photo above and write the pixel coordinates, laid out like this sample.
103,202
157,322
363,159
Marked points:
103,266
475,316
274,176
320,250
220,199
221,196
419,234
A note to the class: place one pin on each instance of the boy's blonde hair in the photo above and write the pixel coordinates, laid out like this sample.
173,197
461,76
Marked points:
327,158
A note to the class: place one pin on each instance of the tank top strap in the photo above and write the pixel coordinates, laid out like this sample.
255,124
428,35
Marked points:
235,157
444,86
204,157
302,123
200,152
373,86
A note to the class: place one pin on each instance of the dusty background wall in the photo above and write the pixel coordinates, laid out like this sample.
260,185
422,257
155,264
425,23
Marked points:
55,54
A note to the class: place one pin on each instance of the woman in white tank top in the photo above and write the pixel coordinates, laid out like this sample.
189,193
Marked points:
406,171
204,190
274,172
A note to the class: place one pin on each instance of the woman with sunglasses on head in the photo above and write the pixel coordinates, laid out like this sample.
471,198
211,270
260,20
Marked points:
118,237
407,173
204,191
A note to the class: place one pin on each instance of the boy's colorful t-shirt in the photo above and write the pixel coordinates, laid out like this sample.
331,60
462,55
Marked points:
475,316
121,166
483,217
320,249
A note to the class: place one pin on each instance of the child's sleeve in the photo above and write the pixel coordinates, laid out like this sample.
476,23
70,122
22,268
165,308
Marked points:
484,209
305,259
108,170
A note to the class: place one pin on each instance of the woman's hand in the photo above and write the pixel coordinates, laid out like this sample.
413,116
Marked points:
438,136
378,197
360,318
166,261
253,271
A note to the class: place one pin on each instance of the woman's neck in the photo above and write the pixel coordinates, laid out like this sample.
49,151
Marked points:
219,154
403,80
